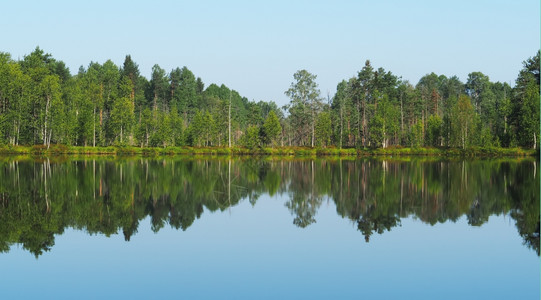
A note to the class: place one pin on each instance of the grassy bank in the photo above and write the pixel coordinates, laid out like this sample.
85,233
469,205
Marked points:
55,150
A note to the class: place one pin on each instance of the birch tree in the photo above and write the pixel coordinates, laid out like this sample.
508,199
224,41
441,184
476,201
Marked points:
305,104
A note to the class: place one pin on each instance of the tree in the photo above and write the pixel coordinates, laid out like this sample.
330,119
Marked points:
525,106
479,88
433,130
163,135
84,110
250,139
363,89
385,123
323,129
187,93
464,114
338,114
409,110
271,129
139,84
122,118
196,130
144,127
177,128
305,104
529,116
94,95
416,138
15,104
158,90
209,129
428,91
377,131
502,93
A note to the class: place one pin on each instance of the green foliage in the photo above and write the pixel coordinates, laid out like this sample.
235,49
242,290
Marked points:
306,103
417,135
323,130
486,139
433,130
271,129
463,122
144,127
528,121
186,96
377,131
121,119
104,105
196,130
176,128
250,139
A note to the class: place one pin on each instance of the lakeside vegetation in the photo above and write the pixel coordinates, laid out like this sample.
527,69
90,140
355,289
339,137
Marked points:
375,112
59,150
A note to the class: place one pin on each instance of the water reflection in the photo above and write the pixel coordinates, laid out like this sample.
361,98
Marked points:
40,199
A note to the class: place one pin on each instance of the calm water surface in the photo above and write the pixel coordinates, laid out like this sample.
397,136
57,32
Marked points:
245,228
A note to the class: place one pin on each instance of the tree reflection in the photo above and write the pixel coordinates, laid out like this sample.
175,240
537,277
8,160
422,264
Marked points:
305,195
39,199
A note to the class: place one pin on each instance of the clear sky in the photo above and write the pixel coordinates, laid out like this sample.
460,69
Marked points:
255,47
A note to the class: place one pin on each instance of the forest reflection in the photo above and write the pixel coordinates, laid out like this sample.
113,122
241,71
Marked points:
40,199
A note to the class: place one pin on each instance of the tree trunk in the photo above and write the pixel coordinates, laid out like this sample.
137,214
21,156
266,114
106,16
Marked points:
341,124
365,127
48,97
360,129
94,130
423,123
49,138
313,129
384,144
229,120
401,118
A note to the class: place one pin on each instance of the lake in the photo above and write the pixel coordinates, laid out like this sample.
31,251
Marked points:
245,228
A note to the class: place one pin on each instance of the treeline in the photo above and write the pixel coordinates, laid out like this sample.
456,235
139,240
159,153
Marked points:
378,109
105,104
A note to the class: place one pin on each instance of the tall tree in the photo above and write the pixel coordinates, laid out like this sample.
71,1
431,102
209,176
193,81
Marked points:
158,89
363,90
525,111
187,94
139,84
386,122
305,103
479,88
52,113
464,114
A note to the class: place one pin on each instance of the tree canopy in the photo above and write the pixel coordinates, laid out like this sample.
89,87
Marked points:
41,102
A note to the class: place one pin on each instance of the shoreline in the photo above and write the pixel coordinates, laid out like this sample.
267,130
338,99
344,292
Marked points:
62,150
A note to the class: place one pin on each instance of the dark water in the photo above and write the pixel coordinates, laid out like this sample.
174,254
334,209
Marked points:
247,228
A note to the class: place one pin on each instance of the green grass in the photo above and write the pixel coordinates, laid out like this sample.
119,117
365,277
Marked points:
60,150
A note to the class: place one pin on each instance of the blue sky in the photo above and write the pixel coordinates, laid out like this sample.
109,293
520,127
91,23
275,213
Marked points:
255,47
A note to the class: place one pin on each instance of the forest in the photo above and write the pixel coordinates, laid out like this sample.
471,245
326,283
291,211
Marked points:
42,103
